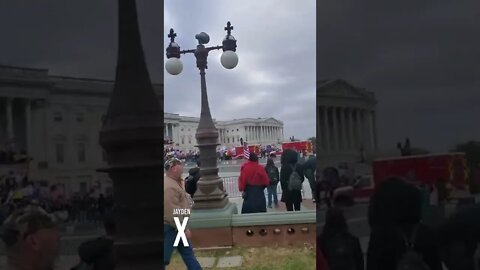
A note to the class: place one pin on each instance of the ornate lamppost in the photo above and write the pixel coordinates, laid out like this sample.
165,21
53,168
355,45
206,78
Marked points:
210,193
131,136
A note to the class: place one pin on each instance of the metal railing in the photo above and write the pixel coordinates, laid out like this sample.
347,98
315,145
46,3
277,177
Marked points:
230,184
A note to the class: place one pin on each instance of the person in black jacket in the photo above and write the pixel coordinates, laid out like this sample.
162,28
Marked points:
341,249
192,180
395,214
291,198
274,176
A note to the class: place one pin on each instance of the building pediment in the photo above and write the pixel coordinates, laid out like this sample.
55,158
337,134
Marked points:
342,89
272,121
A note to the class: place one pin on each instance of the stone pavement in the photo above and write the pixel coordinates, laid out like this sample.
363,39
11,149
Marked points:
221,262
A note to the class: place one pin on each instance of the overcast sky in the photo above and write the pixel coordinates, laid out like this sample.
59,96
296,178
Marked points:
421,58
275,76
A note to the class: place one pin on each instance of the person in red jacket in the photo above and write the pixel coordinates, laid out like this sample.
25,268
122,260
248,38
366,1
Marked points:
252,183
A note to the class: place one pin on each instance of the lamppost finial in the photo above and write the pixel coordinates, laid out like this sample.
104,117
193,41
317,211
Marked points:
172,35
229,28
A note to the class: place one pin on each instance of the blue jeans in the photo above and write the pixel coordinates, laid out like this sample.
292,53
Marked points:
170,233
272,192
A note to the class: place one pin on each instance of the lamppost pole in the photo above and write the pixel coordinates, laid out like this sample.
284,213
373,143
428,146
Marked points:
131,136
210,192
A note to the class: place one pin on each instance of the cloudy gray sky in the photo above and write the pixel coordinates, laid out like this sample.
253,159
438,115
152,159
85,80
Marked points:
275,76
421,58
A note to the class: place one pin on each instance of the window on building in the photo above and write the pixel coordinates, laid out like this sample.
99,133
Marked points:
189,139
237,129
228,140
183,139
81,152
79,117
57,116
59,152
181,129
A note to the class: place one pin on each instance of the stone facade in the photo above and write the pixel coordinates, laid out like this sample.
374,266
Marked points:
346,122
56,120
181,130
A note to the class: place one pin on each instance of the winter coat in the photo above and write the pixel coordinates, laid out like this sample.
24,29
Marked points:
290,196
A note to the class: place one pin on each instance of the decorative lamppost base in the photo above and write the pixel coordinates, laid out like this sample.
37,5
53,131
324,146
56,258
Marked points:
212,200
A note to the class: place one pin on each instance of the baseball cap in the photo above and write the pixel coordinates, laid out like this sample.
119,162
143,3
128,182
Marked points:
172,162
26,221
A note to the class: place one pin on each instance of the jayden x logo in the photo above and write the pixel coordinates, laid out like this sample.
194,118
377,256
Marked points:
181,231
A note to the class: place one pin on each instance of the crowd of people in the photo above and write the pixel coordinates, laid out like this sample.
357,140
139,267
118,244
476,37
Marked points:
223,153
400,235
255,178
17,191
10,154
186,156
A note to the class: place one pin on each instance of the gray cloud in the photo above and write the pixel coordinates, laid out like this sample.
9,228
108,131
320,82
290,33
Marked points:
276,72
419,57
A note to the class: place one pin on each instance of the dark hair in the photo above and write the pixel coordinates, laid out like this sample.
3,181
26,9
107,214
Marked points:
253,157
395,202
198,162
289,156
270,163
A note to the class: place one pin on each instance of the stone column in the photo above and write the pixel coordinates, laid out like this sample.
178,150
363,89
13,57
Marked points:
372,131
9,115
351,131
343,116
335,129
28,125
177,133
360,129
326,128
262,134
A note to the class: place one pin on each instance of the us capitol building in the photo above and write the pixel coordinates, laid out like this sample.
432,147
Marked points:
57,120
181,130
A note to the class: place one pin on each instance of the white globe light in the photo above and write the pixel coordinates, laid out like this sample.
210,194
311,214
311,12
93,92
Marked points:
174,66
229,59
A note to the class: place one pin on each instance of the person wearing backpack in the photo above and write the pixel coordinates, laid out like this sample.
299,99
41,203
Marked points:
398,238
274,176
341,249
291,180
